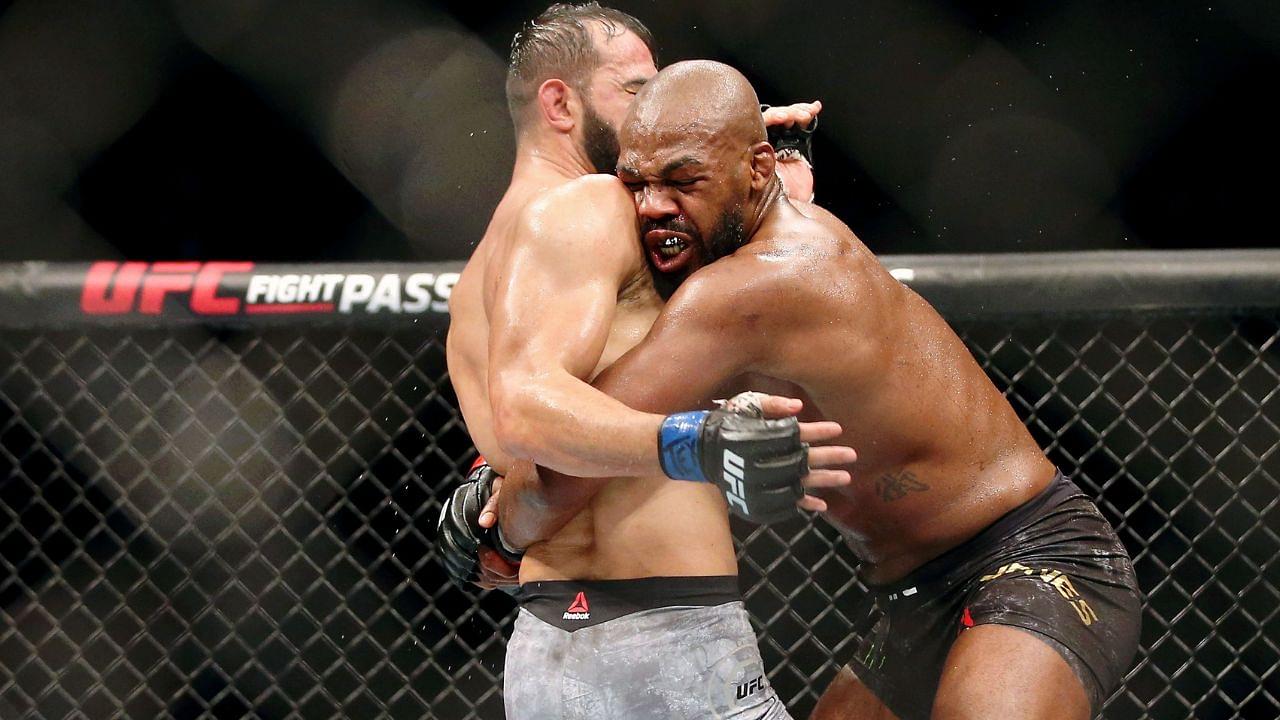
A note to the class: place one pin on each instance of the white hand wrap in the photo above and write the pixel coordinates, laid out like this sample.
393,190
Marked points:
747,403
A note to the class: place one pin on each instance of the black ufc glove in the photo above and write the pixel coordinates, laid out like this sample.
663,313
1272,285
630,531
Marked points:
459,536
788,139
756,463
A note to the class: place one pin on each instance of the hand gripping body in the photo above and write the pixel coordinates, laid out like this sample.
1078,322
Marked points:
789,140
758,464
459,536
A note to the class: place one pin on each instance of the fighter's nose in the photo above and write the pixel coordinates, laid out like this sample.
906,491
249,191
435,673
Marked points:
654,205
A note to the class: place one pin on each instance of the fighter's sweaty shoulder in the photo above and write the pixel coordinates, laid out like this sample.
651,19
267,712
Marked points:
587,228
592,222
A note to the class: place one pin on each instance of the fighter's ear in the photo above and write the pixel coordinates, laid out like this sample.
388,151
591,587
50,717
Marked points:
555,101
763,162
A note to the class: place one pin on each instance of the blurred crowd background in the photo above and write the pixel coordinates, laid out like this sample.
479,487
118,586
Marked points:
376,129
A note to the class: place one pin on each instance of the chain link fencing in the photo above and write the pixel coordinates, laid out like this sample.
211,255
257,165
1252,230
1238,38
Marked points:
236,519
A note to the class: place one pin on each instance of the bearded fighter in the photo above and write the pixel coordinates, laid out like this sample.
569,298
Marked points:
998,589
557,290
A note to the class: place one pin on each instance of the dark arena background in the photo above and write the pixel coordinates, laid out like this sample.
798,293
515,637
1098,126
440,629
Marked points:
215,506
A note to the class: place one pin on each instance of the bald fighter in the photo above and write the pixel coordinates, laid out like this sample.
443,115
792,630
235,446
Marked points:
557,290
998,590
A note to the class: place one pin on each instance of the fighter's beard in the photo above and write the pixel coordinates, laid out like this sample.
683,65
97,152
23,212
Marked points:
599,141
666,284
728,236
725,240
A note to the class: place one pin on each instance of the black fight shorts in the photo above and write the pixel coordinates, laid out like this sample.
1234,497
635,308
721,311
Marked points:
1053,567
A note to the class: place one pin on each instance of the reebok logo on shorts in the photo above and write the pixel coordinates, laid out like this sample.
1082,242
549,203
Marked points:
578,609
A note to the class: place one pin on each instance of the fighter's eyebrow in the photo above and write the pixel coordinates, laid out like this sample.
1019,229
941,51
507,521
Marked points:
679,163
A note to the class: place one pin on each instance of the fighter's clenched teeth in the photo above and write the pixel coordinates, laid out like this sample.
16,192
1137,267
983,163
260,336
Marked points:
671,246
668,250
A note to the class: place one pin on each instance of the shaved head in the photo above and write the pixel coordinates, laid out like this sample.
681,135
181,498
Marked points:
694,152
699,97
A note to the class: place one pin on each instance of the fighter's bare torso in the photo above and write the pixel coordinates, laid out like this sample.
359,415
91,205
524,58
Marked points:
656,514
468,342
941,452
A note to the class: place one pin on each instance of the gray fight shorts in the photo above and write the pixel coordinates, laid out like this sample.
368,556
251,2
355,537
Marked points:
642,649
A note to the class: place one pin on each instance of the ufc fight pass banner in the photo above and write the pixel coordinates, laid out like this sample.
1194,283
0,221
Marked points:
217,292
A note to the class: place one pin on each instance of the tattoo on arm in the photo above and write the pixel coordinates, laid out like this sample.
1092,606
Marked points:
892,487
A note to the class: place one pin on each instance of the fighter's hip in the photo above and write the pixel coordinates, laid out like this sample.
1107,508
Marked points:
679,529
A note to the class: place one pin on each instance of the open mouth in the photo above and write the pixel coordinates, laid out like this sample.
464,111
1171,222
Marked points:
669,251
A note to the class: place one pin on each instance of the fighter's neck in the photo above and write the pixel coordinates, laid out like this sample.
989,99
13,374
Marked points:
550,156
771,202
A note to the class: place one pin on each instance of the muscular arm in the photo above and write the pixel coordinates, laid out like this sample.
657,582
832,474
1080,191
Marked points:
700,343
554,295
552,307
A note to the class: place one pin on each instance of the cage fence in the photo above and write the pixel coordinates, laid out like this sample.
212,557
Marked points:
233,515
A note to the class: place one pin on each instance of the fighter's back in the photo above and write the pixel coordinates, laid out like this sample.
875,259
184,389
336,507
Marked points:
941,452
467,346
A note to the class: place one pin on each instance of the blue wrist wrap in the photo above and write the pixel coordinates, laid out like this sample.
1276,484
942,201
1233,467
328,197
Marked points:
679,441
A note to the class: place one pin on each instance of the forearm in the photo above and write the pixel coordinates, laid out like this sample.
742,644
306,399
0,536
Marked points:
564,424
535,503
534,506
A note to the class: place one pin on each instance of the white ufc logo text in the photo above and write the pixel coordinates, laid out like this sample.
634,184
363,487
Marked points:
734,469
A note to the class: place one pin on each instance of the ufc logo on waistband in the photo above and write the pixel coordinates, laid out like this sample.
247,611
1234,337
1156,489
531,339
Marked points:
734,469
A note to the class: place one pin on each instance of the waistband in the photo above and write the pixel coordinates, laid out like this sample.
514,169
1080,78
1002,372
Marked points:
575,604
1060,489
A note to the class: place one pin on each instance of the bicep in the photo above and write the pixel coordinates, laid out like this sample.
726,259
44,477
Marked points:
687,357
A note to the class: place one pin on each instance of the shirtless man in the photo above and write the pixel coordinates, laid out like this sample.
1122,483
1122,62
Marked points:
558,289
998,590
